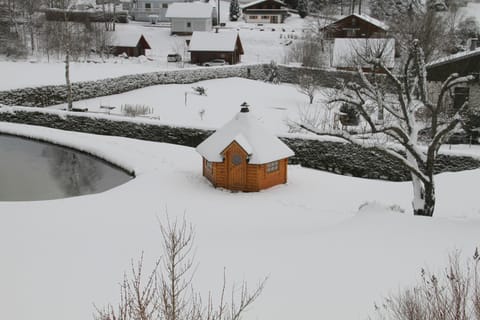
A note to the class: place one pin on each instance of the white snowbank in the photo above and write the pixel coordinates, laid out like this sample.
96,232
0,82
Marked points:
324,260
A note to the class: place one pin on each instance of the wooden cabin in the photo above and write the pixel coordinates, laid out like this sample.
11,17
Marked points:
265,11
356,26
133,45
243,156
206,46
464,63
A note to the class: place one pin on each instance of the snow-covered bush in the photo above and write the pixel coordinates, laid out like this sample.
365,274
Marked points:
135,110
451,295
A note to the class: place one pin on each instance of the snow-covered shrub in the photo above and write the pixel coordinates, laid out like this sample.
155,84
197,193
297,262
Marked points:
135,110
271,72
451,295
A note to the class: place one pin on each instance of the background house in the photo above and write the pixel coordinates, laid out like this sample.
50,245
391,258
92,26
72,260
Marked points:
242,156
189,17
206,46
265,11
143,10
133,45
356,26
349,53
464,63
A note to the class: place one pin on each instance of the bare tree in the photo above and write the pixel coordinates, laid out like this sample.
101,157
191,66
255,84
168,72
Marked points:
410,97
308,85
453,295
167,292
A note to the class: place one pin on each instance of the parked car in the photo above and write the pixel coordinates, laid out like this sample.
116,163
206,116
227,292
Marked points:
174,57
214,62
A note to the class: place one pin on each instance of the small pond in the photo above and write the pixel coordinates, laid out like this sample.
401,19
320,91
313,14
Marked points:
31,170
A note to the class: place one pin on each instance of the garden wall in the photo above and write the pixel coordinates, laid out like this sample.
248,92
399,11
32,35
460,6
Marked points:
51,95
337,157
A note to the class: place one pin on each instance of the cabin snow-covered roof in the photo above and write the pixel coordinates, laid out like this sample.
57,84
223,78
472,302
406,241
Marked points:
371,20
125,39
247,5
454,58
261,145
213,41
189,10
347,52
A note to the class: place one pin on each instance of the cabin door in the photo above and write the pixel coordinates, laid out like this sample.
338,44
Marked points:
236,167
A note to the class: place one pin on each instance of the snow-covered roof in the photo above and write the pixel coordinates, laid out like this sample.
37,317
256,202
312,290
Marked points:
261,145
213,41
454,57
125,39
348,52
372,20
260,1
189,10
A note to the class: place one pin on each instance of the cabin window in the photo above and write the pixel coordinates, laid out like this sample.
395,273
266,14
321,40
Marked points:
208,166
189,24
253,17
265,17
164,5
272,166
236,159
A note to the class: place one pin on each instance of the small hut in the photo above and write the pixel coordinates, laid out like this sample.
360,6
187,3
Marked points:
243,156
133,45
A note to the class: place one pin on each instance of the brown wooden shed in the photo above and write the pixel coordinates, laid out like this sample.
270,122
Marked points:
356,26
243,156
133,45
206,46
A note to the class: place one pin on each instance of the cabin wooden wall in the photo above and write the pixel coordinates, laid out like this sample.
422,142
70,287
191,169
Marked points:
257,177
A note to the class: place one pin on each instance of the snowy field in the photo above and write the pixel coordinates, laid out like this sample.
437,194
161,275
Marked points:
273,104
325,259
260,43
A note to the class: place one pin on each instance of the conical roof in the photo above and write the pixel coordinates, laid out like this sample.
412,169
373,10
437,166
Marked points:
261,145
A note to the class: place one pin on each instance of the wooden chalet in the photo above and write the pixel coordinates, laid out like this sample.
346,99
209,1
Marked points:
464,63
133,45
242,156
356,26
265,11
206,46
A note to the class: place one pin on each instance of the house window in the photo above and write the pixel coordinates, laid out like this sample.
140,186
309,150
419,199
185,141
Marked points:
253,17
208,166
189,24
272,166
265,17
148,6
164,5
236,159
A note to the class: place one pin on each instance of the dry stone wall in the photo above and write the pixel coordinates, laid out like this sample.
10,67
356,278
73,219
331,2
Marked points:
336,157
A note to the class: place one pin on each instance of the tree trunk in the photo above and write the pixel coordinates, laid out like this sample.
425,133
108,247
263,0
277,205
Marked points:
67,78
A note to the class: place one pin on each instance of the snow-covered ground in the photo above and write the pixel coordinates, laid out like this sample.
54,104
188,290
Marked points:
325,259
260,43
273,104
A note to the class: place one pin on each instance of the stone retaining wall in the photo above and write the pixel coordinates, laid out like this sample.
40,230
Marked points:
337,157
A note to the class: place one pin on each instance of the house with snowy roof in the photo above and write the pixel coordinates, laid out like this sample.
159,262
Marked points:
131,44
264,11
356,26
188,17
151,10
243,156
464,63
206,46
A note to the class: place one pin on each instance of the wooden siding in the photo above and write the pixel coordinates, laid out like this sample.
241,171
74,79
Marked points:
205,56
353,27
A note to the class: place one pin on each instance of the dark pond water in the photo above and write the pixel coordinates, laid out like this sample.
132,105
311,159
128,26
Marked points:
31,170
